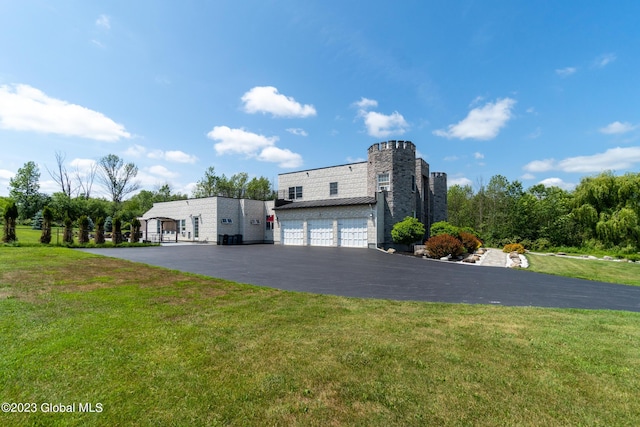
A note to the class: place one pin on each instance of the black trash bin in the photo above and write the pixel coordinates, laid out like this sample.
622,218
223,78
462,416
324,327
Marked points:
232,239
239,239
225,239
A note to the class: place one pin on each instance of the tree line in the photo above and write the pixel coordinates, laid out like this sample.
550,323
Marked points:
116,177
602,212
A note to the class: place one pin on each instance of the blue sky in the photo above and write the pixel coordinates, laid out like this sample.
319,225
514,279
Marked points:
543,91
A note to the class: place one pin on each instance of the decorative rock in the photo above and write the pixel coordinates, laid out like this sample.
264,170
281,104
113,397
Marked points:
391,251
607,257
561,253
470,259
591,257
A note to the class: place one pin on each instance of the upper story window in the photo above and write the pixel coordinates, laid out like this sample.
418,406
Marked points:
413,183
333,188
295,193
384,183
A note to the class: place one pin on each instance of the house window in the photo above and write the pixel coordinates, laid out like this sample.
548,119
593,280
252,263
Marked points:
295,193
183,225
196,227
384,184
333,188
413,183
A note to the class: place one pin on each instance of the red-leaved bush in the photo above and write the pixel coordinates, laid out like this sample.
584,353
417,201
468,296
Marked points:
442,245
470,242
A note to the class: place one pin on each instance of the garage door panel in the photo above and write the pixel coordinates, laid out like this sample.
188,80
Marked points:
320,232
353,233
292,233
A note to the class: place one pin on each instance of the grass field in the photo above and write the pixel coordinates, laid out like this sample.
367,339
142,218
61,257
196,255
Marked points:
598,270
158,347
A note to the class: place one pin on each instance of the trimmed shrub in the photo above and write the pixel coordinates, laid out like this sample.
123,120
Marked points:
67,234
135,231
99,237
542,244
513,247
470,242
117,231
47,218
444,244
83,233
407,231
443,227
10,216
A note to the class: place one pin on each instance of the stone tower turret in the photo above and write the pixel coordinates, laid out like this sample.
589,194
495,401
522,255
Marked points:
438,196
392,171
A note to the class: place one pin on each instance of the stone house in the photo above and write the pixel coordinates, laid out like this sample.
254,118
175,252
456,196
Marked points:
350,205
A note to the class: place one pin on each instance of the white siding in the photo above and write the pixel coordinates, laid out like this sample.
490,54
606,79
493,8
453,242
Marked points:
351,179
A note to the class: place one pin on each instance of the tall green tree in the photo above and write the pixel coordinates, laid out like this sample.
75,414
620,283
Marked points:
208,185
24,189
259,189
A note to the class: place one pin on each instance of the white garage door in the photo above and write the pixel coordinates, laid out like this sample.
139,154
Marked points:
353,232
292,233
320,232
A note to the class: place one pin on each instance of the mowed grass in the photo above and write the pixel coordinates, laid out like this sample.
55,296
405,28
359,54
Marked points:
158,347
627,273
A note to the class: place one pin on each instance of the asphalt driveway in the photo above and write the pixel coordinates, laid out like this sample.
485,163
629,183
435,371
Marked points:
374,274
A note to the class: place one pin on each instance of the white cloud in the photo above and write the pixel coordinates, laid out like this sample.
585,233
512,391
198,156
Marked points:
557,182
566,72
365,103
612,159
135,151
263,148
162,172
178,156
540,165
478,155
266,99
297,131
381,126
284,157
6,174
83,166
604,60
24,108
239,141
481,123
175,156
617,128
528,176
459,181
103,21
451,158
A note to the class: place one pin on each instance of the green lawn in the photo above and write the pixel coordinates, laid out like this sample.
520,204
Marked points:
158,347
598,270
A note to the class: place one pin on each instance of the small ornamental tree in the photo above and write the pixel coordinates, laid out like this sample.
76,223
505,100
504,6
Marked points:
108,224
47,217
99,237
117,231
407,231
36,223
10,216
67,234
443,245
135,230
83,233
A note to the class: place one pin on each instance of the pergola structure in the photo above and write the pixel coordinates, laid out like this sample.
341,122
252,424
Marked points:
166,224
